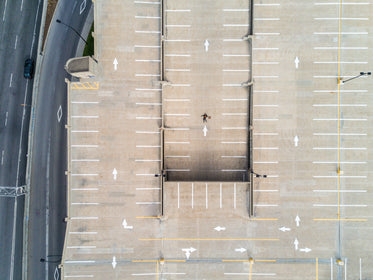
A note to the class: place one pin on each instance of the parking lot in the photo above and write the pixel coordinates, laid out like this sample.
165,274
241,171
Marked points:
311,143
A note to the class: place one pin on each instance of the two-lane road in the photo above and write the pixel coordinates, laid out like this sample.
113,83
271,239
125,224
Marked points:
19,33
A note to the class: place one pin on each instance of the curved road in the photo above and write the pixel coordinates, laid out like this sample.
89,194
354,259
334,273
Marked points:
46,228
19,33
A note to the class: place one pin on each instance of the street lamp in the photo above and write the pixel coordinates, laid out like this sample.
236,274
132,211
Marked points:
42,260
358,76
73,29
258,175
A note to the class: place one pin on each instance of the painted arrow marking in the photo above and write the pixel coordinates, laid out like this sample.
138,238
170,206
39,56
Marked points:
206,44
219,228
115,62
205,131
296,243
240,250
115,172
125,225
296,140
296,61
82,6
305,250
283,229
59,113
297,220
114,262
188,251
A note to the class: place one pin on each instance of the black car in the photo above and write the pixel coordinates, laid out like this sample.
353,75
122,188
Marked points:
28,70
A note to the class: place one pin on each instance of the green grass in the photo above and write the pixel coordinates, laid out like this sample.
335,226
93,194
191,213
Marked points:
89,47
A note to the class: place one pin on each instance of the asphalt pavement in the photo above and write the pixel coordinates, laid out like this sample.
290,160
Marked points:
46,227
19,32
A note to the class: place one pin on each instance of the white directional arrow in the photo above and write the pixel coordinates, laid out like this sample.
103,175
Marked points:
188,251
125,225
114,263
115,172
296,61
296,243
205,131
296,140
284,229
206,44
297,220
115,62
219,228
187,254
240,250
305,250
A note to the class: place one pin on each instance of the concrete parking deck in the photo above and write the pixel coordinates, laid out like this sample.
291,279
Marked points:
137,148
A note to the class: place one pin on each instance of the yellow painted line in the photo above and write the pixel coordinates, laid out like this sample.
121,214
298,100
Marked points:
264,219
348,220
249,260
339,103
157,270
148,217
207,239
251,268
317,268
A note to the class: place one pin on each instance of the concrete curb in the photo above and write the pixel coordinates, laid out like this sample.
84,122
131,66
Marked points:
30,142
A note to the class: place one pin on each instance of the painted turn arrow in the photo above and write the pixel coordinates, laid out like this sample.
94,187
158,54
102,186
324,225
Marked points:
205,131
296,61
206,44
125,225
305,250
114,262
284,229
296,243
115,62
115,172
240,250
297,220
296,140
219,228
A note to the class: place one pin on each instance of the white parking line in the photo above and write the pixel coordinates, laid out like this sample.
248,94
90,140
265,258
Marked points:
84,218
338,3
265,119
266,19
234,128
232,40
341,105
178,128
178,55
266,105
147,146
84,102
236,142
265,49
234,196
177,142
147,189
267,33
271,4
147,160
148,89
177,40
178,115
147,17
145,174
265,62
85,160
177,100
147,31
85,203
163,273
148,104
235,25
147,75
342,91
236,55
266,205
147,2
266,91
180,85
177,156
231,85
144,46
178,25
341,176
236,70
342,48
178,70
243,273
265,77
85,189
234,99
83,232
147,60
207,205
81,247
236,10
234,114
233,170
266,162
148,132
233,156
179,170
266,190
84,146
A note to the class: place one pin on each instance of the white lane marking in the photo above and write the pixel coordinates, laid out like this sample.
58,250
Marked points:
341,18
148,104
15,42
238,142
265,148
343,162
148,118
192,195
148,203
341,148
148,31
21,6
341,205
342,48
11,80
177,156
233,170
236,70
144,46
178,55
81,247
148,132
265,62
179,10
147,60
6,119
6,2
234,196
235,10
207,205
221,198
178,25
266,133
147,160
82,6
115,63
231,128
342,33
148,146
341,105
85,160
2,157
84,218
265,19
84,117
205,131
342,62
340,119
147,2
266,162
344,134
147,75
234,99
147,17
59,113
178,195
342,191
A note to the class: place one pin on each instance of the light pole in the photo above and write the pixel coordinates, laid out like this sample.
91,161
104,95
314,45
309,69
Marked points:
73,29
358,76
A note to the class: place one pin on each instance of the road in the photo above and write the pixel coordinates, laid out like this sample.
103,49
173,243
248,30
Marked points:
19,33
48,181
